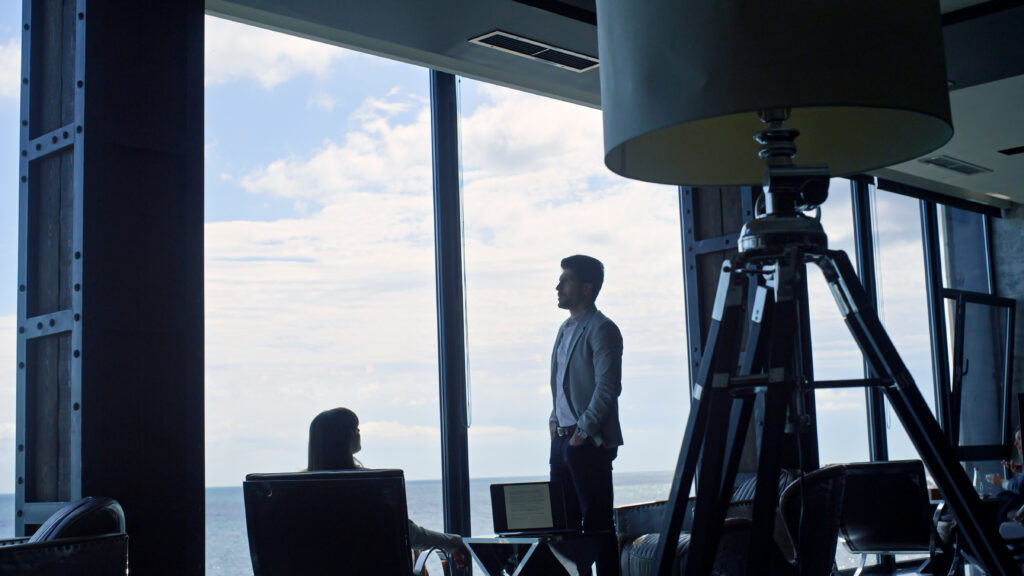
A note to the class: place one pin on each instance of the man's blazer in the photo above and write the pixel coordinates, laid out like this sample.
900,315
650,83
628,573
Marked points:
593,377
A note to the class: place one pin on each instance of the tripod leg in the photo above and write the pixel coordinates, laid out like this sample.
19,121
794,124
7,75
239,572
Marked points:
743,404
712,505
709,514
917,419
781,372
716,366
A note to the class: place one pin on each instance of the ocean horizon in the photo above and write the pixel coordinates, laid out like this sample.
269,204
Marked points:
227,545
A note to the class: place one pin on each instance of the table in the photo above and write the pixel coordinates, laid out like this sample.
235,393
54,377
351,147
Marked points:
541,555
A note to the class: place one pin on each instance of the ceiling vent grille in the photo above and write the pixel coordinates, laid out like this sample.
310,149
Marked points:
535,50
950,163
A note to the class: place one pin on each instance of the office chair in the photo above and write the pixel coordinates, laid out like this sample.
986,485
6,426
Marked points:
320,523
886,510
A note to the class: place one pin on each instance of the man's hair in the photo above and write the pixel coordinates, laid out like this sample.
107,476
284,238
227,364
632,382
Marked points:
588,270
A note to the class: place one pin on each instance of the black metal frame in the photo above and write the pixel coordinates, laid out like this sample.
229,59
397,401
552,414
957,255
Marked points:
860,192
961,299
692,249
936,314
451,319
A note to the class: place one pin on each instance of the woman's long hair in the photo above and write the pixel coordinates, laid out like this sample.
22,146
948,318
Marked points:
330,440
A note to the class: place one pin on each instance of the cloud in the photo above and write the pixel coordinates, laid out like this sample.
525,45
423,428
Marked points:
322,100
377,156
10,68
839,400
237,51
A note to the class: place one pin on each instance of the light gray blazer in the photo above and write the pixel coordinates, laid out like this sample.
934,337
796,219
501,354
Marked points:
593,378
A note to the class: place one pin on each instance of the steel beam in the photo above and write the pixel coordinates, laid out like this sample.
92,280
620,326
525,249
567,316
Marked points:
860,191
451,319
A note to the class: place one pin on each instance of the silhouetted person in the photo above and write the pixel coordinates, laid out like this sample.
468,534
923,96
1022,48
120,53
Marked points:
586,380
334,439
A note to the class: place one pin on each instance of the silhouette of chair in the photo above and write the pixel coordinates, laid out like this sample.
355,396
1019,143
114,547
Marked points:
886,510
812,502
810,509
84,538
343,522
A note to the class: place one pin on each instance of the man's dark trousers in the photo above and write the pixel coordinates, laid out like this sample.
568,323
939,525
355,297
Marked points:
585,473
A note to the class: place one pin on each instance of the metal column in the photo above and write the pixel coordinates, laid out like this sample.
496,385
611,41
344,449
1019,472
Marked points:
451,319
936,313
110,298
49,376
860,191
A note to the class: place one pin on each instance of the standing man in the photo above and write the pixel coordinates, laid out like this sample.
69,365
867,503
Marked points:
586,380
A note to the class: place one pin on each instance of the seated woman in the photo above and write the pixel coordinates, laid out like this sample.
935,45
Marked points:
334,439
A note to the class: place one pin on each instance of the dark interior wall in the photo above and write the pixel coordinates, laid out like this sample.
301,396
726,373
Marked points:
142,352
1007,238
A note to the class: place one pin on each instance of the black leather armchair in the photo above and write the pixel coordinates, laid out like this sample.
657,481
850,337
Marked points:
320,523
638,526
84,538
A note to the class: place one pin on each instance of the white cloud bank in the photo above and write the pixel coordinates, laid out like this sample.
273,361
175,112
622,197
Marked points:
235,51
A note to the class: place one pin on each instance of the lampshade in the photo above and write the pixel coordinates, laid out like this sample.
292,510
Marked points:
682,82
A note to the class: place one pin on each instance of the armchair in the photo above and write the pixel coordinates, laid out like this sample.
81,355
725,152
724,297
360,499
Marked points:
320,523
638,526
84,538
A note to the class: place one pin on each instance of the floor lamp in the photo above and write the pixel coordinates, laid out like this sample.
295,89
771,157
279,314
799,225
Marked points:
734,92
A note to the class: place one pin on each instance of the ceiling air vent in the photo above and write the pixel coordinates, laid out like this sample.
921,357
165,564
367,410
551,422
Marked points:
535,50
950,163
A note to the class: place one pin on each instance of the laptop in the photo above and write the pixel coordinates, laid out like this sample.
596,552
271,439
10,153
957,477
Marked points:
528,508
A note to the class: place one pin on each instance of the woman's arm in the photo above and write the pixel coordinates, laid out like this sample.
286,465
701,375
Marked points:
420,539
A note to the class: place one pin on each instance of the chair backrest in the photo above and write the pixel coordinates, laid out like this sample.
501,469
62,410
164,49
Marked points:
886,508
312,523
810,509
90,516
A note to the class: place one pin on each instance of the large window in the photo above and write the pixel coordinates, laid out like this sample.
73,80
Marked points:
902,305
319,267
535,191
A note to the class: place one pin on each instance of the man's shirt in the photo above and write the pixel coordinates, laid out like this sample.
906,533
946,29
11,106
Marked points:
563,412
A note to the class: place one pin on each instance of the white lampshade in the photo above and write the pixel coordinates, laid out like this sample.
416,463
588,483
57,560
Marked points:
682,82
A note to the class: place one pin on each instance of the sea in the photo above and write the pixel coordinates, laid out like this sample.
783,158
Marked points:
227,547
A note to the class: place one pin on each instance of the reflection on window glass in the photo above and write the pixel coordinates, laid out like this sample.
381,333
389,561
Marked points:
964,252
902,301
842,416
319,267
536,190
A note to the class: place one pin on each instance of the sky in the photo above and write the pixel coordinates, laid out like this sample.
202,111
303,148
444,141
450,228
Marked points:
319,267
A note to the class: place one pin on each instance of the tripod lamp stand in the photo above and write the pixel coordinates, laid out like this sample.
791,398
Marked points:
733,92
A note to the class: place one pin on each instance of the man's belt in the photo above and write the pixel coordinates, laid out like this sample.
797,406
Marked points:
566,431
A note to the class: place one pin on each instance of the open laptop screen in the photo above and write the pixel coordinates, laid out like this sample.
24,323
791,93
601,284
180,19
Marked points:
527,507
